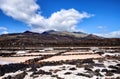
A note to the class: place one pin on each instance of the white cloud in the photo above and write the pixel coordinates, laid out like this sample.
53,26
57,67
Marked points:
21,10
3,30
27,11
101,27
114,34
63,20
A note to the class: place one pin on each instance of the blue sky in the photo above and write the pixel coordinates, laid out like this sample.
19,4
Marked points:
99,17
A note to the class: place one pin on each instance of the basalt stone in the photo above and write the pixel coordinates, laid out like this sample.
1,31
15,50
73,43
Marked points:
115,71
91,73
104,70
56,76
118,65
87,68
88,61
42,72
73,68
100,53
118,78
85,75
113,67
1,73
18,76
8,77
98,65
100,60
109,74
35,76
57,70
21,75
97,72
11,68
79,65
67,73
33,69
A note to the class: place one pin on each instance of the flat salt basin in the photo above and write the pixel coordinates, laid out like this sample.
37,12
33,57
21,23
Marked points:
70,57
8,60
76,53
40,53
4,62
21,52
35,54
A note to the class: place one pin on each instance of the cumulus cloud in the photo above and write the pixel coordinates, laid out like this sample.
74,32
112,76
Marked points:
101,27
28,11
21,10
114,34
3,30
63,20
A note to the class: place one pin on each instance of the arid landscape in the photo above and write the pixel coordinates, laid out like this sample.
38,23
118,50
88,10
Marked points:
59,39
58,55
61,63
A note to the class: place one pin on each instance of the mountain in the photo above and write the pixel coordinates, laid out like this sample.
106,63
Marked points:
91,36
29,32
54,38
32,39
66,33
73,34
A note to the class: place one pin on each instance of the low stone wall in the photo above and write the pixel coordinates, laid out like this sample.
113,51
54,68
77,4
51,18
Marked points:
11,68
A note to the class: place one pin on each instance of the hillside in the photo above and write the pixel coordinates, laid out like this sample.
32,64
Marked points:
54,38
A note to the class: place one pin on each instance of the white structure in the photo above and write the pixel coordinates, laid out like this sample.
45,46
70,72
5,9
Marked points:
48,49
21,52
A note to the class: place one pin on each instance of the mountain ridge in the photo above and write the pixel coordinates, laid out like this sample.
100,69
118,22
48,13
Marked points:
54,38
59,33
66,33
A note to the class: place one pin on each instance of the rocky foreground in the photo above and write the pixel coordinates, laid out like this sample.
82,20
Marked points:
105,66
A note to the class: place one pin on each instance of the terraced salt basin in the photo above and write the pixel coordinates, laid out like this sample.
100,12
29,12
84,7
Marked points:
79,52
8,60
39,53
34,54
70,57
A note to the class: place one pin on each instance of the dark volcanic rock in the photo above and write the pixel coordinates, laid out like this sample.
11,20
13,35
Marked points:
56,76
118,65
97,72
11,68
41,72
109,73
88,61
57,70
87,68
85,75
113,67
8,77
21,75
115,71
6,54
73,68
104,70
18,76
67,73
